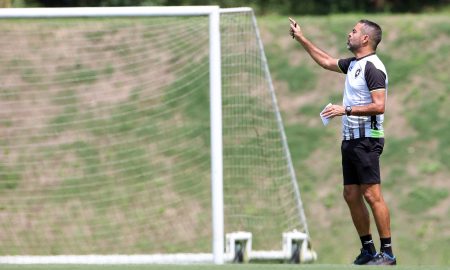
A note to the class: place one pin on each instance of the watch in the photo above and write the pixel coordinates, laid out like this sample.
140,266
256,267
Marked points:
348,110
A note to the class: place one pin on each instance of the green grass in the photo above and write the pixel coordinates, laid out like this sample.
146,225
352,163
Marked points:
300,78
10,177
422,198
415,160
76,74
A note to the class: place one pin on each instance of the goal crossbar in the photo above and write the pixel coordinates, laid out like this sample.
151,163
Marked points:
108,12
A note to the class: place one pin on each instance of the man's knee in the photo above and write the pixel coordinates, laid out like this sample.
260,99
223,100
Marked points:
351,194
372,195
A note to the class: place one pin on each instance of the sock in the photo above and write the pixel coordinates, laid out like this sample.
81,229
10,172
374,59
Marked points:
367,244
386,246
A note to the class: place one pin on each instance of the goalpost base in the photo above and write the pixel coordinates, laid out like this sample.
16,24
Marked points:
296,249
179,258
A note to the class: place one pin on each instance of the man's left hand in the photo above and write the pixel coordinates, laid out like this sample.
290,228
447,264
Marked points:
333,110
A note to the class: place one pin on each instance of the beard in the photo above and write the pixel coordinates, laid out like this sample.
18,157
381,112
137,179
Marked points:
353,47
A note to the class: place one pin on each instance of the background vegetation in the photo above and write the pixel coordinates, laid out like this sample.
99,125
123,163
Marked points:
261,6
416,161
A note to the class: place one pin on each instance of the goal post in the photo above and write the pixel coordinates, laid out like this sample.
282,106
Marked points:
215,65
105,120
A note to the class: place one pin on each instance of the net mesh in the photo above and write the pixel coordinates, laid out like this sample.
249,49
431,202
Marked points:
105,140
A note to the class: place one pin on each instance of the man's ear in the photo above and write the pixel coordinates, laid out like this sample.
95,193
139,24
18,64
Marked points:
366,39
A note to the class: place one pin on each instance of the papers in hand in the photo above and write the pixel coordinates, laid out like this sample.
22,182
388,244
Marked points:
325,120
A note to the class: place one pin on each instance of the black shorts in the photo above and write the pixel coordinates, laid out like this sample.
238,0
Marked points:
361,160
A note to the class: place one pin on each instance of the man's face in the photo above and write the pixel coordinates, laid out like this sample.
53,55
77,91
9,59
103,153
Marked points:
355,38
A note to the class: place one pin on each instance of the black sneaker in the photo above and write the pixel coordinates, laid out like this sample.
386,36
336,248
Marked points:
364,257
383,259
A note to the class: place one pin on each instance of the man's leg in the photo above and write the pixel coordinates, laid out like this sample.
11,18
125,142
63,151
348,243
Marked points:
360,215
354,198
372,194
361,220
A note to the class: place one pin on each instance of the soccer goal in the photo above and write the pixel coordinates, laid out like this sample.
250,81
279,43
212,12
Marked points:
142,135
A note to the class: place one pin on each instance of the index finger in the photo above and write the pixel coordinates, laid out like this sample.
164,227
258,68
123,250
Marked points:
292,21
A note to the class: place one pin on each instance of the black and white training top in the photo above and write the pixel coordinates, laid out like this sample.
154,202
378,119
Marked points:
364,75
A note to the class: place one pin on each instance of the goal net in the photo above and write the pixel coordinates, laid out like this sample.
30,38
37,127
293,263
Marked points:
105,136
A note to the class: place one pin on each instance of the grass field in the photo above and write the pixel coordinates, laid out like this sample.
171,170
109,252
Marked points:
223,267
415,162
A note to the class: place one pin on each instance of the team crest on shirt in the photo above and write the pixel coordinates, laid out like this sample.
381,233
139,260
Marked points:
357,72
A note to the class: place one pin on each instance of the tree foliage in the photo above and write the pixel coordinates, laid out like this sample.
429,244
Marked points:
269,6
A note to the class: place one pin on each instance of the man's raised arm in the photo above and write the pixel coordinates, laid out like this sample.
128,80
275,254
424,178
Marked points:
321,57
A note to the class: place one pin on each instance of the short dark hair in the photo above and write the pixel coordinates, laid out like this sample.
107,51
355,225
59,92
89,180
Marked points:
373,30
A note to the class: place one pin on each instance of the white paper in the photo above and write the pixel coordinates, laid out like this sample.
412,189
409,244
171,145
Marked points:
325,120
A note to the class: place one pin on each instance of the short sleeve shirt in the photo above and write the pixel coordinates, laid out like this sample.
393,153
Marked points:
364,75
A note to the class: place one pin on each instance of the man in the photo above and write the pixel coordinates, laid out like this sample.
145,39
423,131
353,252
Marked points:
363,137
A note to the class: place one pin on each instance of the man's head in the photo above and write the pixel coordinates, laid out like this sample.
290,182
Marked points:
365,34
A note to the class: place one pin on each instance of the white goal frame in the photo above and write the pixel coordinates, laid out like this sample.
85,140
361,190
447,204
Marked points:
213,12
